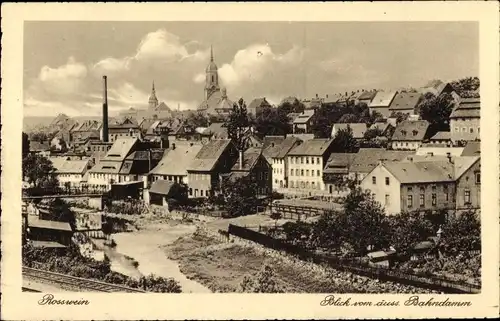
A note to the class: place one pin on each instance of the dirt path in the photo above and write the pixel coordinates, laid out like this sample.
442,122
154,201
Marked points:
145,247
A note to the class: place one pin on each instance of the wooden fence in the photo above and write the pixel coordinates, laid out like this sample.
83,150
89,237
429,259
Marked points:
350,265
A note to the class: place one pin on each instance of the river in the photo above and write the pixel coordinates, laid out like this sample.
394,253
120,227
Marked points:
145,246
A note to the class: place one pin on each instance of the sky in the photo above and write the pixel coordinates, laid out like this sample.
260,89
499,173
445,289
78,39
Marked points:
64,61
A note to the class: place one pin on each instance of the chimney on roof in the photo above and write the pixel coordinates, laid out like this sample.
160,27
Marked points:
410,158
173,146
105,109
316,95
326,95
450,160
240,160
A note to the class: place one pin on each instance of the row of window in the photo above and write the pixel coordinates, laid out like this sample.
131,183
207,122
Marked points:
302,184
477,177
69,176
277,161
464,129
277,170
304,160
172,178
200,177
301,172
199,193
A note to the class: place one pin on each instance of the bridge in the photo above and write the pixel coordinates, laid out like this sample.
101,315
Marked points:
39,197
36,193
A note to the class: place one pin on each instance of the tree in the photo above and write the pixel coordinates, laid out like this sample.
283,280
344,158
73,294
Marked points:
408,229
399,116
466,87
238,195
462,233
364,221
349,118
40,172
272,121
275,216
344,142
297,232
372,133
238,123
287,107
327,231
197,119
262,282
437,111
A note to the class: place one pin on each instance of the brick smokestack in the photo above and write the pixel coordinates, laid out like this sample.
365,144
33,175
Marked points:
105,109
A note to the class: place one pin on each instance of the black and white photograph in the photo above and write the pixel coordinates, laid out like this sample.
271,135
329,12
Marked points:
330,158
201,157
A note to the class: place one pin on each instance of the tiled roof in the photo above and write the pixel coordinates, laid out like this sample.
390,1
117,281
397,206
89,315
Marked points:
405,101
462,164
290,100
472,149
216,131
47,244
161,187
250,159
435,87
34,221
209,155
454,151
64,166
313,147
441,136
339,163
421,172
121,148
382,99
258,102
278,146
304,117
468,107
411,130
105,166
176,161
358,129
39,147
367,159
380,126
367,95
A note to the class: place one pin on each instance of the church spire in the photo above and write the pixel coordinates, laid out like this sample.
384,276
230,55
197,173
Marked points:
153,101
211,53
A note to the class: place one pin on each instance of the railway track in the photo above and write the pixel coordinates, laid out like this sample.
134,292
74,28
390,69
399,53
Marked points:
75,282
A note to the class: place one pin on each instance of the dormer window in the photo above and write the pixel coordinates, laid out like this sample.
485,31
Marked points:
415,132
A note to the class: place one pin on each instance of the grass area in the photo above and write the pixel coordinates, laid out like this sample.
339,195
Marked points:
222,266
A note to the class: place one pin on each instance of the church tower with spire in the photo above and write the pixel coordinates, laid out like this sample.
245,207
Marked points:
212,77
153,101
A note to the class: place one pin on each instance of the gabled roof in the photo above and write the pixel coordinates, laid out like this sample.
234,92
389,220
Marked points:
383,99
380,126
358,129
405,101
411,130
64,166
441,136
468,107
107,166
426,150
216,131
250,158
258,102
34,221
339,163
304,117
278,146
435,87
161,187
163,107
367,95
472,149
177,161
367,159
462,164
312,147
290,99
121,148
421,172
39,147
88,125
209,155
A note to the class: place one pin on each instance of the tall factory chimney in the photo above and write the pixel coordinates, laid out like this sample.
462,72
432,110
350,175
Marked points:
105,109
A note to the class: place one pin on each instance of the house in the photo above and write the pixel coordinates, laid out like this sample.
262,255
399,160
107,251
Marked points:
409,134
58,144
381,102
386,128
437,88
108,170
160,192
214,158
472,149
82,132
434,184
251,163
175,162
257,105
275,149
366,97
302,123
441,138
219,131
48,233
70,173
405,103
433,150
366,159
127,127
41,148
306,162
358,129
337,170
465,120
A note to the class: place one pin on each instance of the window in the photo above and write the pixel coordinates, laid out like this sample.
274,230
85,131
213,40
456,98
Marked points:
301,172
291,184
422,200
434,199
318,173
201,193
374,180
318,161
406,144
387,199
434,188
471,130
387,181
410,190
291,160
191,192
422,190
445,190
312,173
307,172
312,160
457,129
307,160
410,201
291,172
464,129
302,160
312,184
478,130
275,181
478,177
467,196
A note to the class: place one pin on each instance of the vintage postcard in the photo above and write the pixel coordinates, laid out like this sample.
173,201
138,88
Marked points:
250,161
